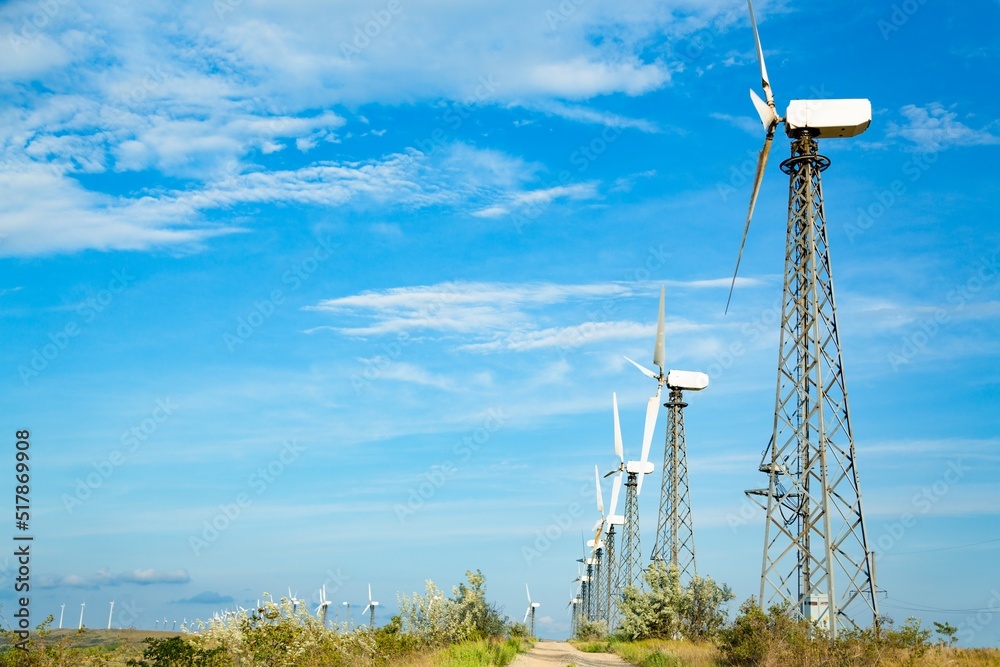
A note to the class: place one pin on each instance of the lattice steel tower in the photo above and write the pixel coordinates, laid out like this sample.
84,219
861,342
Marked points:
816,556
674,528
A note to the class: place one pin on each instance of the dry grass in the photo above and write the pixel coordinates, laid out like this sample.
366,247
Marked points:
688,654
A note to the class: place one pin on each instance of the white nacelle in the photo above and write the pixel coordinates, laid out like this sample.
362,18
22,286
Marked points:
616,520
638,467
689,380
830,118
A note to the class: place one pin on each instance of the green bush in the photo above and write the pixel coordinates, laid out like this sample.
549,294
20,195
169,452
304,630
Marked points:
777,636
671,611
591,630
466,616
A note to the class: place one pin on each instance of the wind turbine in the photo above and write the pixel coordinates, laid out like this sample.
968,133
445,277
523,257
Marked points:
295,600
323,604
674,526
815,533
62,609
631,569
347,613
597,598
574,602
613,567
111,613
371,605
532,606
82,607
585,579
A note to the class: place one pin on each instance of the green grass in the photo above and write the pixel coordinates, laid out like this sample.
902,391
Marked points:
475,654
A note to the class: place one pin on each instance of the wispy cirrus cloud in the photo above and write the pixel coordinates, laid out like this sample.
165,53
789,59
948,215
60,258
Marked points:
495,317
934,127
104,577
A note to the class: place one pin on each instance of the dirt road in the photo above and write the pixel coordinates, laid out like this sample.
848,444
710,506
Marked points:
547,654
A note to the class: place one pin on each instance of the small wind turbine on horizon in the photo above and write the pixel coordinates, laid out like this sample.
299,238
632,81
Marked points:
371,605
294,600
62,609
111,613
82,607
532,606
323,604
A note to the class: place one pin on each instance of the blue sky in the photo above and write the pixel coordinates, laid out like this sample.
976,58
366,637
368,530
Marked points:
339,292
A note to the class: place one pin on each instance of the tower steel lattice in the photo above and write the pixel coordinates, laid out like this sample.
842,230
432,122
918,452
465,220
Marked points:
611,566
598,591
816,550
630,567
675,528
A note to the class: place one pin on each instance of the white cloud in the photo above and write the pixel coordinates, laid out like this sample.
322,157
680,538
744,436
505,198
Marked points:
493,317
104,577
43,210
934,128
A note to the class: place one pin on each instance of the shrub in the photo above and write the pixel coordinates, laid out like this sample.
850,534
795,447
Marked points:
669,610
591,630
465,616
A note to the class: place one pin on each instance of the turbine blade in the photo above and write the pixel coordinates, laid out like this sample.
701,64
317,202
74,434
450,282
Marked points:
758,178
658,347
645,371
369,594
764,82
527,611
528,591
614,494
652,410
768,116
600,498
618,429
